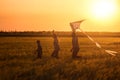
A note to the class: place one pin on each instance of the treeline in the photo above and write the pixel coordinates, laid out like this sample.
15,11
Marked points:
60,34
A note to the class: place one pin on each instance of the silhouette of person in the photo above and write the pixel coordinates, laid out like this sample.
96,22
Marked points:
56,46
39,49
75,45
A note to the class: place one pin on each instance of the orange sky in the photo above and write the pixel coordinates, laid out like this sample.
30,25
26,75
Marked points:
39,15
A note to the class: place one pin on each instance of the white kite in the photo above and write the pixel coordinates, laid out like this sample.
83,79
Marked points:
76,25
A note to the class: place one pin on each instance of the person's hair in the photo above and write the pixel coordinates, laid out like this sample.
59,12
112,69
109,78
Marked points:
38,41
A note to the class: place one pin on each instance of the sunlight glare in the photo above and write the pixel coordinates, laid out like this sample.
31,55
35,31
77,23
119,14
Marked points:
103,9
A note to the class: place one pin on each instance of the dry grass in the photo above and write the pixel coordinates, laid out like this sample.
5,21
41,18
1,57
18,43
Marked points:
18,61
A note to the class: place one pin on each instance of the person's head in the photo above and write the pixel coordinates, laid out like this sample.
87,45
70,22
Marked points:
54,35
38,42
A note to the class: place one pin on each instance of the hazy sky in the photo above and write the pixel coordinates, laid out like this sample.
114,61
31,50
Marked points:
39,15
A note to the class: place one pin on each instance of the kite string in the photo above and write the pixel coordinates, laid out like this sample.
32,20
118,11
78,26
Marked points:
98,45
87,35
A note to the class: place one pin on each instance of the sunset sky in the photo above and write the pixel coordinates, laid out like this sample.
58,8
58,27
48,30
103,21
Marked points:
46,15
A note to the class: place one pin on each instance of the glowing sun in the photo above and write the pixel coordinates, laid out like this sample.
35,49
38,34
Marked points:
103,8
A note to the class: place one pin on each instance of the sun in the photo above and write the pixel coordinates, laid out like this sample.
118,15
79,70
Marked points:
102,9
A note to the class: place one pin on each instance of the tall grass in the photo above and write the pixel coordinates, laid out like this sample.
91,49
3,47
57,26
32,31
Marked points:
18,61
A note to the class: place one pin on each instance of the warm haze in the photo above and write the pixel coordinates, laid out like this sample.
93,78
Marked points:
39,15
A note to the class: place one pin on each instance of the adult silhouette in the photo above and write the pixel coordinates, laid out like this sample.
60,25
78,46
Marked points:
75,45
56,45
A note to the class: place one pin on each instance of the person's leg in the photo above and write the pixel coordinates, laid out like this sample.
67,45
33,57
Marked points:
73,53
53,54
56,53
76,51
39,55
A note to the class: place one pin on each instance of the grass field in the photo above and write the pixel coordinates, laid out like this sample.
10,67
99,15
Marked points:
18,61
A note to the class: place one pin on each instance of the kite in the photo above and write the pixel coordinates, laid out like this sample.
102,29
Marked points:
76,25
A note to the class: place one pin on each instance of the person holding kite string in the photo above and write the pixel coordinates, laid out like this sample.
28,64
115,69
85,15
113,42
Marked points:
56,46
75,45
76,25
